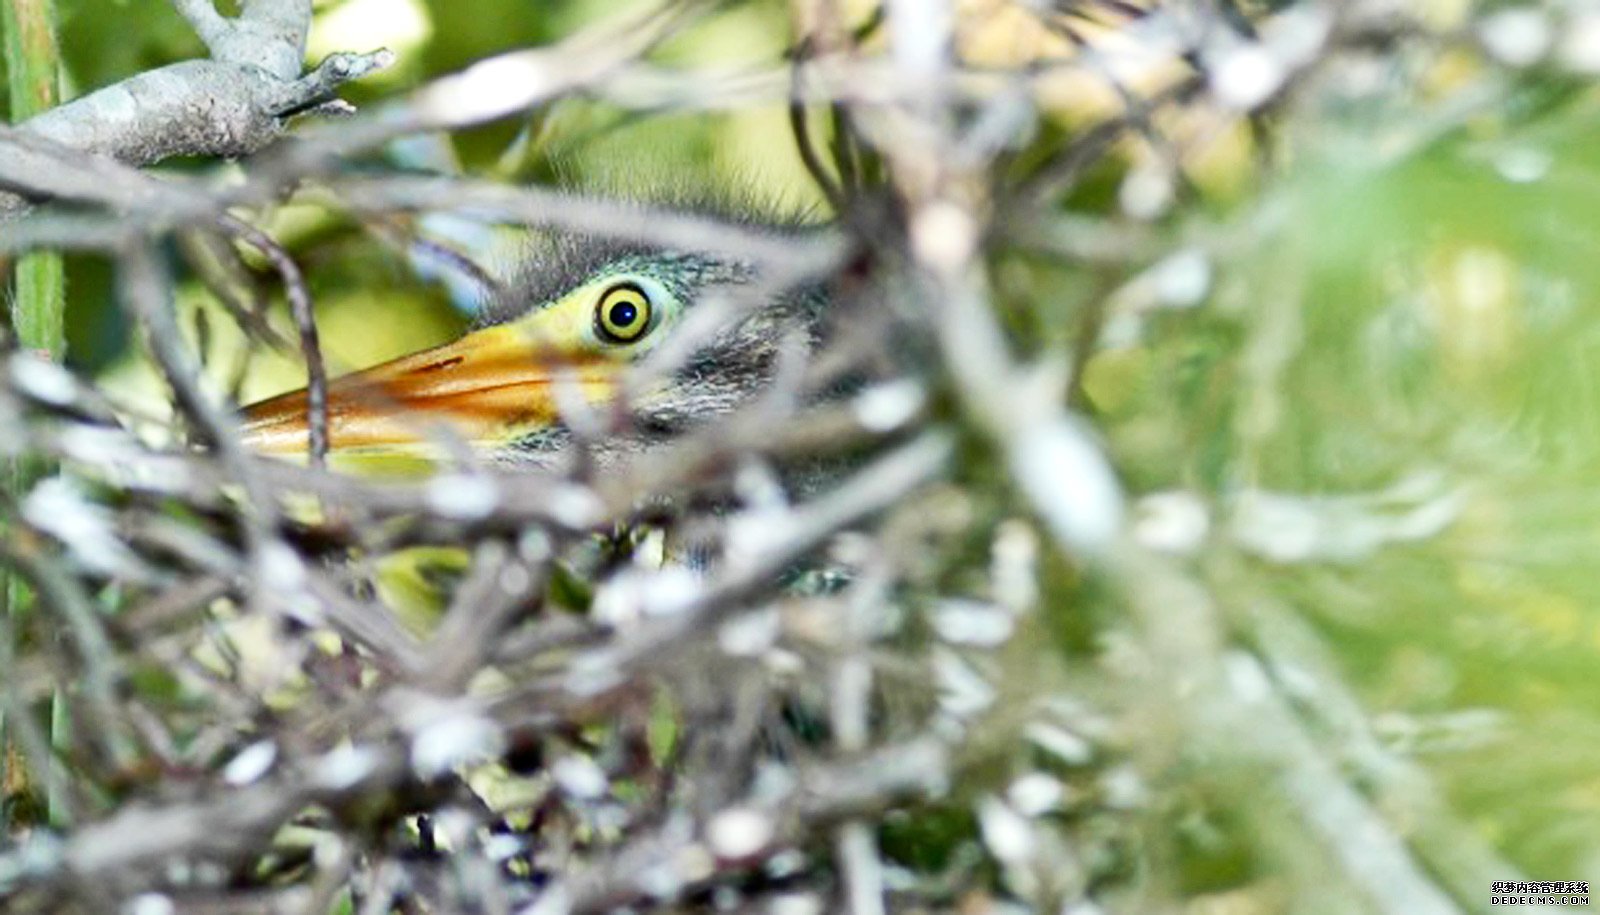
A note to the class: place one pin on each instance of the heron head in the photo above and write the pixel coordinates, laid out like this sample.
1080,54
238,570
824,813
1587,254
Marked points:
581,317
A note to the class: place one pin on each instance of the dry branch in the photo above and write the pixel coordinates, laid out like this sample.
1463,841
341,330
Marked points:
724,670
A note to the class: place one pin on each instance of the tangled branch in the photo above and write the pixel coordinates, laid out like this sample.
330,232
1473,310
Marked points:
737,667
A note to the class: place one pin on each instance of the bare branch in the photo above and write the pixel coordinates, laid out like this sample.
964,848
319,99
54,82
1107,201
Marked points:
230,105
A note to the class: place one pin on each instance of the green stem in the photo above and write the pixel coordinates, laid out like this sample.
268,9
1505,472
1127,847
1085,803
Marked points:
33,63
32,57
33,67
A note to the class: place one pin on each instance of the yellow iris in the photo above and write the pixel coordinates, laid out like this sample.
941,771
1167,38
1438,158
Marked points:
623,314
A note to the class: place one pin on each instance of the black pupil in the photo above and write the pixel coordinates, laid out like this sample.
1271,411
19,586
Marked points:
623,314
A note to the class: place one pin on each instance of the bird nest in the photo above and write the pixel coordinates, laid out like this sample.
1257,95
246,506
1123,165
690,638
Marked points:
847,608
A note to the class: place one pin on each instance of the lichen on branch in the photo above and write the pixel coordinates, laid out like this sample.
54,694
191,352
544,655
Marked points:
230,105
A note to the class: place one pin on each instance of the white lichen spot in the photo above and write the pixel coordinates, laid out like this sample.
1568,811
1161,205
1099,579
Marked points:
1297,681
1248,680
784,663
283,577
116,105
60,508
344,767
555,900
593,673
1289,528
453,827
575,507
694,862
1173,522
1007,834
886,407
1522,165
1517,37
462,496
608,819
963,692
635,595
1124,325
943,234
251,763
534,546
773,784
1070,483
42,853
503,847
120,460
1123,788
753,534
486,89
94,444
1580,43
515,579
580,778
1146,191
947,728
673,590
619,602
454,737
795,904
1060,743
659,880
1036,794
1245,77
1299,34
739,832
282,570
750,634
785,863
42,379
757,484
149,904
1182,279
1014,566
328,853
968,622
303,607
1276,527
897,879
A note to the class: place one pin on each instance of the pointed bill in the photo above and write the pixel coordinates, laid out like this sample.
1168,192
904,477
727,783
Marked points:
487,388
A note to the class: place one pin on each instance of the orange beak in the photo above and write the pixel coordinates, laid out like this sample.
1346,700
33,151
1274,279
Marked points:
485,389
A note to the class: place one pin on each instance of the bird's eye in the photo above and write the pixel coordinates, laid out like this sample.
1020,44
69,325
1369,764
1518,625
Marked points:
623,314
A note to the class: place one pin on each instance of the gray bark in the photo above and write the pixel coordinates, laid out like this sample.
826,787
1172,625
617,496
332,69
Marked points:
229,105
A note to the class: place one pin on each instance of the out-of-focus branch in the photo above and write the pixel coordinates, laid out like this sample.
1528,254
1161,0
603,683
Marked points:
1051,455
1234,709
248,815
267,34
823,796
230,105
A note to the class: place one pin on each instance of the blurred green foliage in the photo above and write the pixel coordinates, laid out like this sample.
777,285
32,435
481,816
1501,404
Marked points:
1411,312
